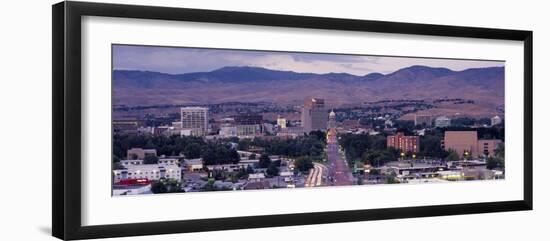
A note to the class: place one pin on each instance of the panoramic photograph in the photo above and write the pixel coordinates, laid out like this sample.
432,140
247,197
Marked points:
188,119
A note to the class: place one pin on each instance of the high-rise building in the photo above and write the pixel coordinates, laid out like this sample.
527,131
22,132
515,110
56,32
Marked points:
314,115
404,143
194,120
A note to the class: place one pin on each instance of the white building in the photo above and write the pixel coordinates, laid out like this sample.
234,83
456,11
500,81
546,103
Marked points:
442,121
147,171
496,120
194,164
256,177
194,121
168,161
131,162
228,131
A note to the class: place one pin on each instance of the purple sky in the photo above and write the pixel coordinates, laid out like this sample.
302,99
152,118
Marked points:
184,60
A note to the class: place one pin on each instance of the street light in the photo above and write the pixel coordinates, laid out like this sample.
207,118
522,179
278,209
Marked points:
402,156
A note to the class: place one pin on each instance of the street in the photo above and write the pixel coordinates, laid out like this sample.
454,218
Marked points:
338,172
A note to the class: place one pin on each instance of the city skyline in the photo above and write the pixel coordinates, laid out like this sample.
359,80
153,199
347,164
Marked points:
234,128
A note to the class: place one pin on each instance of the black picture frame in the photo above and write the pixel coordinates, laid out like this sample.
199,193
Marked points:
66,75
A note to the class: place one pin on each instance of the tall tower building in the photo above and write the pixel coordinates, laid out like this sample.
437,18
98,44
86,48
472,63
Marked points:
314,115
194,121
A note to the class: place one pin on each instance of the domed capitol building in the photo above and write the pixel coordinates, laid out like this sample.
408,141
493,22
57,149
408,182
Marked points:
332,134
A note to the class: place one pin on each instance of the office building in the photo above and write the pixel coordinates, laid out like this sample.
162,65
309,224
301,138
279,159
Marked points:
467,142
194,121
314,115
404,143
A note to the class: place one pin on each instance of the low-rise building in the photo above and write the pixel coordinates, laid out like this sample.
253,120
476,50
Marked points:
147,171
131,162
249,130
193,165
292,132
140,153
404,143
256,177
228,131
442,121
168,161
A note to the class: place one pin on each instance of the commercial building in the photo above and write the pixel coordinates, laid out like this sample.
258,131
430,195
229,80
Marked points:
147,171
194,121
228,131
314,115
193,164
404,143
442,121
139,153
291,132
467,142
425,120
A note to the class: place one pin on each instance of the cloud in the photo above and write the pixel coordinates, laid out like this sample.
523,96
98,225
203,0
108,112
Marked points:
184,60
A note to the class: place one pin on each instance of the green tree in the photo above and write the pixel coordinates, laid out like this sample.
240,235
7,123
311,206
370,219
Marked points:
234,156
249,169
453,156
150,159
264,161
159,187
303,163
495,163
192,151
116,159
430,146
272,170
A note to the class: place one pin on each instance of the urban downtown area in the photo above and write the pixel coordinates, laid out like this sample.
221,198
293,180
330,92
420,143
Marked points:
249,127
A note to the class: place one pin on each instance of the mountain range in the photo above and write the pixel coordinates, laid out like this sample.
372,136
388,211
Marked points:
254,84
